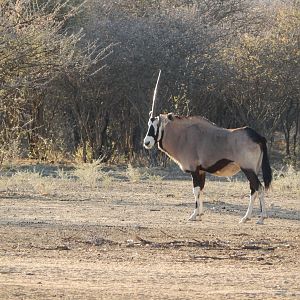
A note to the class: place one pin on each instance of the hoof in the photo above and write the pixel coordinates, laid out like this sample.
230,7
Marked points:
192,218
260,221
244,220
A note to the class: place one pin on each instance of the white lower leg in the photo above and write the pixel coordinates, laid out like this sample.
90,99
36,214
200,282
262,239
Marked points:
262,205
199,205
250,208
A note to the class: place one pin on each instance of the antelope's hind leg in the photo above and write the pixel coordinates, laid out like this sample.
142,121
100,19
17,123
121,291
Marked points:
262,206
198,185
255,186
248,214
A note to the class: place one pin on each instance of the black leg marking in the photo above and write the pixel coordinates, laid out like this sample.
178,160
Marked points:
198,178
253,179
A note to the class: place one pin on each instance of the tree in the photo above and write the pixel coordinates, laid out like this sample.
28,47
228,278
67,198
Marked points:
263,73
36,48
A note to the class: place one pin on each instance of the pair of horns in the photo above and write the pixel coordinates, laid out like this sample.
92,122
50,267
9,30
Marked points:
153,112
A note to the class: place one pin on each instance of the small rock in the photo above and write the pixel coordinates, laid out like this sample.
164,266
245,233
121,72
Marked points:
63,247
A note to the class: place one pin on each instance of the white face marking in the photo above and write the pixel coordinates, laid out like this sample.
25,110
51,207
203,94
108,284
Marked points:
149,140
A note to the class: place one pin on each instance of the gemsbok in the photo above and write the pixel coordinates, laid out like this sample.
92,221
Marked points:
199,146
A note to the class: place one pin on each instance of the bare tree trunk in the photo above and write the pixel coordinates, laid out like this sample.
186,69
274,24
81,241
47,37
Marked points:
100,135
84,150
297,128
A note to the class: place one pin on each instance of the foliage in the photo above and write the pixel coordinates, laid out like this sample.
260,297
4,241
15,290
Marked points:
264,73
76,78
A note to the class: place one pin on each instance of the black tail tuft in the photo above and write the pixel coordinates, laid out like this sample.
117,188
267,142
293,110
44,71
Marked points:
266,168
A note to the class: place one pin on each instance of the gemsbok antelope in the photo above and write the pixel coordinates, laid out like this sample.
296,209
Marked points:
199,146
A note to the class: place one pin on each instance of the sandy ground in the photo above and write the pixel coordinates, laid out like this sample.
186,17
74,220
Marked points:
132,240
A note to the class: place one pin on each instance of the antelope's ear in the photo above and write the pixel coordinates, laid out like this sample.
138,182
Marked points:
171,116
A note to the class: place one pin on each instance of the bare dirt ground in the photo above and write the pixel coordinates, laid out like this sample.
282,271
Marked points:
132,240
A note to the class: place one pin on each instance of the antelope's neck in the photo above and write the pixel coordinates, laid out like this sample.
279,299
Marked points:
169,141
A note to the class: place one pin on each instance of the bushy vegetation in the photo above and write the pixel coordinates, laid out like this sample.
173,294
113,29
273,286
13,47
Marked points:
76,78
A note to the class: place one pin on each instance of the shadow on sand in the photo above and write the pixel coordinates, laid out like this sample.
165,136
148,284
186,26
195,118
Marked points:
275,212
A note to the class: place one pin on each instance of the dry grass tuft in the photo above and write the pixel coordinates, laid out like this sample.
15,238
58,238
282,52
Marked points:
155,178
90,174
28,182
133,174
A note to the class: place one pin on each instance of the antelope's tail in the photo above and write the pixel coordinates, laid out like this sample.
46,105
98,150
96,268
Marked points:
266,168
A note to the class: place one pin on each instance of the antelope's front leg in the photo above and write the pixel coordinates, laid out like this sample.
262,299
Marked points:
198,211
198,183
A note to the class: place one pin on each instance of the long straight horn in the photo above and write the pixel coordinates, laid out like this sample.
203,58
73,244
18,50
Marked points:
154,96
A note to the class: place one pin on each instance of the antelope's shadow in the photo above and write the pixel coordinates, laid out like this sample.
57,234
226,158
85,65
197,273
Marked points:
222,207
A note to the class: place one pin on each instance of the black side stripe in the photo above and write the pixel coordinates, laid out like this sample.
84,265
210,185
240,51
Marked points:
219,165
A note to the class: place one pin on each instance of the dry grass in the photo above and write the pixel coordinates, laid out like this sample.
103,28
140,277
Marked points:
287,180
133,174
155,178
28,182
88,176
92,174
